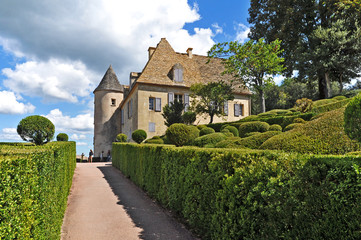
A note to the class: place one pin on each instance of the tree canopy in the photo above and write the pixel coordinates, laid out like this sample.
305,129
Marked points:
36,129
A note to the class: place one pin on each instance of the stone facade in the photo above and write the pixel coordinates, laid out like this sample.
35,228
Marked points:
167,76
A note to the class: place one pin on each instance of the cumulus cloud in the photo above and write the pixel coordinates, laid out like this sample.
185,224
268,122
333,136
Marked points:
98,33
81,144
9,104
242,32
76,137
9,134
52,80
81,124
218,29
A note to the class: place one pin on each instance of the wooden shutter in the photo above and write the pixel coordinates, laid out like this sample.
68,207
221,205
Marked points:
158,104
170,98
151,127
241,110
236,110
122,116
186,102
225,108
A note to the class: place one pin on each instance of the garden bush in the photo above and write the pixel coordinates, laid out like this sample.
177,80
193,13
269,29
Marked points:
298,120
292,126
352,118
275,127
179,134
253,142
304,105
62,137
233,130
206,130
330,106
324,135
251,134
250,194
155,140
35,183
256,126
189,117
194,133
121,137
36,129
139,135
227,133
212,138
201,126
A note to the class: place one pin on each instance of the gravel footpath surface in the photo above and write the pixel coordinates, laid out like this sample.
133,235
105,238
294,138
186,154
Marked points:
103,204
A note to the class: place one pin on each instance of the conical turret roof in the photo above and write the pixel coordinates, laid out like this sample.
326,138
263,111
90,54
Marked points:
110,82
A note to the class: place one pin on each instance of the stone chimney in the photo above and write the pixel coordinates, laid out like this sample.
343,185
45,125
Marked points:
189,52
133,77
150,52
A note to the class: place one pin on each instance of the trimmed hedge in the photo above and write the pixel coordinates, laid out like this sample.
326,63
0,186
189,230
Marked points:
233,130
256,126
275,127
212,138
292,126
332,105
205,131
254,141
35,183
244,194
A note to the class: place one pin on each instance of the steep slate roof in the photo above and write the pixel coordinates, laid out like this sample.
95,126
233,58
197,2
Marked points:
196,69
110,82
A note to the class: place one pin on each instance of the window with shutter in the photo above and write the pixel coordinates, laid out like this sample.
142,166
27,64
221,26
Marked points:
170,98
178,73
225,108
151,103
186,102
236,110
151,127
158,104
241,109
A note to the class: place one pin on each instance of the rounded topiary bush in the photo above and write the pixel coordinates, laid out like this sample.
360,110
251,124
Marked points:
155,140
298,120
189,117
139,135
227,133
206,130
233,130
212,138
292,126
200,127
352,118
275,127
223,126
121,137
62,137
178,134
36,129
256,126
251,134
194,134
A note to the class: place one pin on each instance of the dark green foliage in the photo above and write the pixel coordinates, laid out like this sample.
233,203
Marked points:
62,137
292,126
212,138
254,141
206,130
194,133
216,126
233,130
201,126
252,134
298,120
324,135
227,133
36,129
275,127
244,194
139,135
330,106
173,113
155,140
255,126
179,134
35,183
189,117
353,118
121,137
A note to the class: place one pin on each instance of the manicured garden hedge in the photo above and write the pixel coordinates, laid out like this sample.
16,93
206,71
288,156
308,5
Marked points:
35,183
250,194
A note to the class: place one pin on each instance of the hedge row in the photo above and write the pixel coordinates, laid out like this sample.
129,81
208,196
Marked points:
331,106
250,194
35,183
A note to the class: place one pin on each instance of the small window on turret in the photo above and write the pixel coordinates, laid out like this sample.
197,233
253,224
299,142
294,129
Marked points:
113,101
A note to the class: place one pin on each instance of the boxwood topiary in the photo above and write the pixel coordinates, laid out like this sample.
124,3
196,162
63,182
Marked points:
227,133
212,138
292,126
62,137
139,135
200,127
233,130
155,140
206,130
251,134
275,127
298,120
352,118
256,126
36,129
194,134
179,134
121,137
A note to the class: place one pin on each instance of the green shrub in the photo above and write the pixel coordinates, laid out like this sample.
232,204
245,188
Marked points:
248,194
121,137
292,126
178,134
275,127
154,141
330,106
224,125
212,138
201,126
256,126
352,118
339,98
323,102
324,135
189,117
194,134
36,129
216,126
62,137
206,130
253,142
139,135
298,120
304,105
227,133
233,130
251,134
35,183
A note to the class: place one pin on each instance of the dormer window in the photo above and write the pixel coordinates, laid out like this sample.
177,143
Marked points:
177,73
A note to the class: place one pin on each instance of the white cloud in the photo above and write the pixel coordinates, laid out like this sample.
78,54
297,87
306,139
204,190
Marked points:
219,30
81,144
81,124
9,134
77,137
95,33
242,32
53,80
9,104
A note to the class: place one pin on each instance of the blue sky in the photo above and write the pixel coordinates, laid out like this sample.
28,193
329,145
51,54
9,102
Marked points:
54,53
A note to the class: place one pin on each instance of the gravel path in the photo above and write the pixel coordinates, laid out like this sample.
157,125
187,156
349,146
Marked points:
103,204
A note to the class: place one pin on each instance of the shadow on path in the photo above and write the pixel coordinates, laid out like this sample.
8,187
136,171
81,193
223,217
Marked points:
145,213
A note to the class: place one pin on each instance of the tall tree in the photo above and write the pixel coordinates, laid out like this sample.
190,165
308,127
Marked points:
302,26
252,63
210,98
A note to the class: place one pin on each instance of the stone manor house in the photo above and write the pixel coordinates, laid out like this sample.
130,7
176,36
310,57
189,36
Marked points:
167,76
